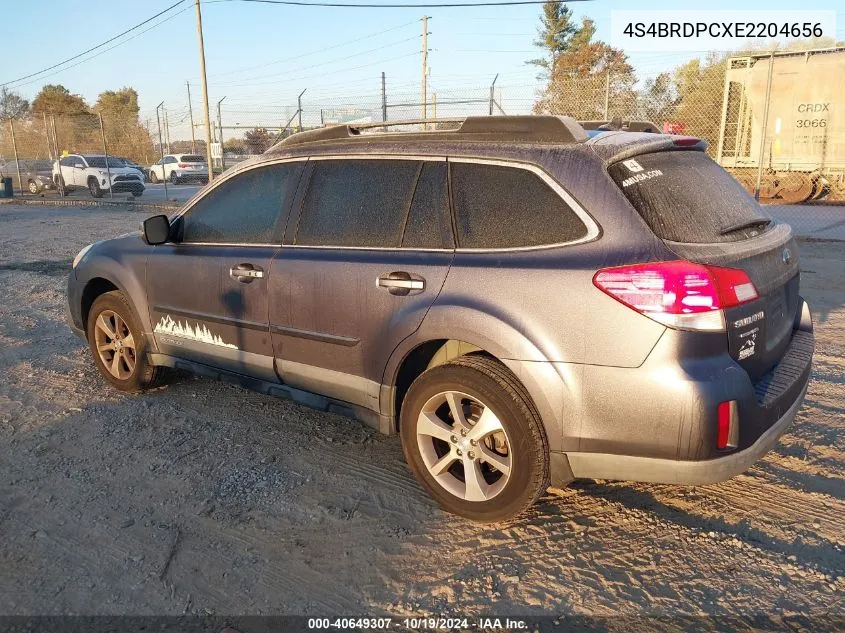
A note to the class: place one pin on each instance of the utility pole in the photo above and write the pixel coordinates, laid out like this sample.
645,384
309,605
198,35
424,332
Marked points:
166,130
299,108
220,127
493,93
191,113
607,96
161,149
204,95
434,106
47,134
425,69
383,99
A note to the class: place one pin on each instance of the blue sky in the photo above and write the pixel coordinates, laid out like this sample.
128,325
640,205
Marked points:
259,57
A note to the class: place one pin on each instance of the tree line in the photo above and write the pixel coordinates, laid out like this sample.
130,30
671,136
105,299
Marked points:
583,74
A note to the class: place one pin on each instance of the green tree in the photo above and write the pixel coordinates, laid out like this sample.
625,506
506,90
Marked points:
12,104
585,74
556,29
258,140
658,99
56,99
699,85
125,136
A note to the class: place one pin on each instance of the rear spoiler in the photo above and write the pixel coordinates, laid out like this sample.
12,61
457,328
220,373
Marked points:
620,125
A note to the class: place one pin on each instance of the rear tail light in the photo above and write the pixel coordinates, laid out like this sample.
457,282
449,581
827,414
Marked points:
183,165
728,432
679,294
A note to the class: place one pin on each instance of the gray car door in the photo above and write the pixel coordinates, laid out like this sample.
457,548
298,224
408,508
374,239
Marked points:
361,265
207,290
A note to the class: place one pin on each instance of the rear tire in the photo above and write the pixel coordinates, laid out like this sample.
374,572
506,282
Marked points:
32,186
118,345
499,425
174,179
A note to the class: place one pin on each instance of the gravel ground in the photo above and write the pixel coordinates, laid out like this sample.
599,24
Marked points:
202,497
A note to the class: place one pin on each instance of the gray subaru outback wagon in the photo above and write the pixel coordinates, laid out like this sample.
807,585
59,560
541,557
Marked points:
524,302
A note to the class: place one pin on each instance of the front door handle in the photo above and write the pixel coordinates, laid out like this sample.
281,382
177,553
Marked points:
246,273
400,283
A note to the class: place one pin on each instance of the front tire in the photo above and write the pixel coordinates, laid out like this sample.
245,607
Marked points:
94,188
119,346
473,438
153,177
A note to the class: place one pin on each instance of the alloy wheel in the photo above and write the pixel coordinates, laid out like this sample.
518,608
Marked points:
115,344
464,446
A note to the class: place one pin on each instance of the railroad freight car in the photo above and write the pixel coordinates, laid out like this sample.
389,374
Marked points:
798,98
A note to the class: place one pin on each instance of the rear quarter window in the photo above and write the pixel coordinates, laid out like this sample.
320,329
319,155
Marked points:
509,207
684,196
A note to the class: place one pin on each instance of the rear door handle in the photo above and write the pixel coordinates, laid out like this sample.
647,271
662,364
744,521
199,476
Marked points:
246,273
400,283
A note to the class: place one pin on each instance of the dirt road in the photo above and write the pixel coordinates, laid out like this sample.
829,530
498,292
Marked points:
207,498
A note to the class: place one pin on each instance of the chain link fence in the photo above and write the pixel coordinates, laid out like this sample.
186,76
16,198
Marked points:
774,120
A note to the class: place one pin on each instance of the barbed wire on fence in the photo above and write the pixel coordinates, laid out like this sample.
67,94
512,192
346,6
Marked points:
738,105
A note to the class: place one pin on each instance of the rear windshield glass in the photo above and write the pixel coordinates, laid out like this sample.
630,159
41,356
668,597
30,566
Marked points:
684,196
187,158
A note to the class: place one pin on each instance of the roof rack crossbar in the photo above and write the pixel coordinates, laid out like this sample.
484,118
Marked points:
548,129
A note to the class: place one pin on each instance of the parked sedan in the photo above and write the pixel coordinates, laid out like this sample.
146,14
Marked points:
179,168
36,175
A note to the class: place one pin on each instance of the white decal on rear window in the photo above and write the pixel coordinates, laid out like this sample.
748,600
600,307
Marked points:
640,177
632,165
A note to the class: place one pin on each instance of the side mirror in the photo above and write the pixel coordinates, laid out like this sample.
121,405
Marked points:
156,229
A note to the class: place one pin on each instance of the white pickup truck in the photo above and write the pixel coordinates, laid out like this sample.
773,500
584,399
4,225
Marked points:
98,174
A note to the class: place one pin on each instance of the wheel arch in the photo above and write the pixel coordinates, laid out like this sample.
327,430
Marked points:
553,387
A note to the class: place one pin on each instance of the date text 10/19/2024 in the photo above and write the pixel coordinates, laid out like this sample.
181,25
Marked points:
422,623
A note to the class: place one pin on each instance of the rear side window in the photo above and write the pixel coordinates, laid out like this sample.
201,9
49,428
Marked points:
244,209
508,207
429,223
192,159
684,196
357,202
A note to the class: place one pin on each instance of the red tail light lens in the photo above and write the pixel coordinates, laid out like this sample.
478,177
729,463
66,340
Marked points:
678,293
183,165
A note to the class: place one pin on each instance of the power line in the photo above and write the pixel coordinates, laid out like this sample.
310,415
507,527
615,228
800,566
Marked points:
247,81
105,50
357,5
100,45
327,48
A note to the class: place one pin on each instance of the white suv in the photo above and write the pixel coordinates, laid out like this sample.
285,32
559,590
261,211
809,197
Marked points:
179,168
78,171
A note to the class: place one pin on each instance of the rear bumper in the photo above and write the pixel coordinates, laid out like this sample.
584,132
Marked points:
670,471
670,435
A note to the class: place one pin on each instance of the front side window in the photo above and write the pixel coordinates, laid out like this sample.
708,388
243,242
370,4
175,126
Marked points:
508,207
357,202
246,209
68,161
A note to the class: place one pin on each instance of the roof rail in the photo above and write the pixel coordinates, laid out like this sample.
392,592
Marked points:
619,124
528,128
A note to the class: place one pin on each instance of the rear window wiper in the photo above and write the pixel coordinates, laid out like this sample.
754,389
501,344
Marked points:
746,224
